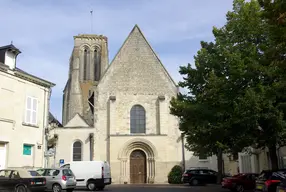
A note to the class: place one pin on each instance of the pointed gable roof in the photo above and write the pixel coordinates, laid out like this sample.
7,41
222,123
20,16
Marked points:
135,31
76,121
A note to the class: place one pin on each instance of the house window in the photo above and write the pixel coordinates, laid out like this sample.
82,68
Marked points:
77,151
203,156
27,149
31,111
137,119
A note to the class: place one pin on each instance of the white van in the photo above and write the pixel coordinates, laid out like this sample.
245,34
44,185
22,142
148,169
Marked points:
91,174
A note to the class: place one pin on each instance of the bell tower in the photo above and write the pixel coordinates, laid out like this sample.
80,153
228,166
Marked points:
88,62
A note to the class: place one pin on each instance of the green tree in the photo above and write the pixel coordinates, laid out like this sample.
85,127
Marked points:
217,115
237,91
273,123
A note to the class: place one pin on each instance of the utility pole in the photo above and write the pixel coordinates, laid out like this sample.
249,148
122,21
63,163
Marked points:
183,151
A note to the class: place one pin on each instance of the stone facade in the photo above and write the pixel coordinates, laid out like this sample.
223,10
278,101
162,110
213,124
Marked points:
135,77
89,52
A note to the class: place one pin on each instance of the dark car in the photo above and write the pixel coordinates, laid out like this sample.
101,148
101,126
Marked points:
268,180
20,180
199,176
282,186
240,182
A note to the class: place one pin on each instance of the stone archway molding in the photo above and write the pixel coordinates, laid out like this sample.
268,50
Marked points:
124,155
138,143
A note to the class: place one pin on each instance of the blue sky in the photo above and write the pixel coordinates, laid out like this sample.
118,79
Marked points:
44,30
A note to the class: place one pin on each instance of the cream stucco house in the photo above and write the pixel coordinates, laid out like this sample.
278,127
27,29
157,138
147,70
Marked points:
256,160
24,106
120,112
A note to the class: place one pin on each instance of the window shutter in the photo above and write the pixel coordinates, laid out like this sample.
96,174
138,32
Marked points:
28,116
31,110
34,111
29,103
35,104
28,110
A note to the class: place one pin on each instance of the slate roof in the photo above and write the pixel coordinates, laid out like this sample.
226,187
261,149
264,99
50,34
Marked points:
52,119
27,76
11,46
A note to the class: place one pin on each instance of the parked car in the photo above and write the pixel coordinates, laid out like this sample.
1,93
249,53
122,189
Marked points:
93,175
58,179
268,180
199,176
34,173
20,180
282,186
240,182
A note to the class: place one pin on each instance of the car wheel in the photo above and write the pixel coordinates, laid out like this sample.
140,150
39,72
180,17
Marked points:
195,182
57,188
21,188
91,186
239,188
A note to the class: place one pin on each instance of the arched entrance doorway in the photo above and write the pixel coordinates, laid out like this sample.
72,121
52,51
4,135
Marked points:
138,167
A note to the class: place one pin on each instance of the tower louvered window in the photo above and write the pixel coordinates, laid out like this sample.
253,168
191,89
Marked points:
86,71
97,65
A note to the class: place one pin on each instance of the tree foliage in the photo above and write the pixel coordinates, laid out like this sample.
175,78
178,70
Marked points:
213,111
236,93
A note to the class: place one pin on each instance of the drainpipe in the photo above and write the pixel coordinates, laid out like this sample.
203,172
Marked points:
46,124
91,141
44,131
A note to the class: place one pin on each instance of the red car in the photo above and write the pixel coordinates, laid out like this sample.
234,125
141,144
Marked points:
240,182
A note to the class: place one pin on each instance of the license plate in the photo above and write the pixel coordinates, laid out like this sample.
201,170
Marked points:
106,180
281,190
71,179
37,183
259,187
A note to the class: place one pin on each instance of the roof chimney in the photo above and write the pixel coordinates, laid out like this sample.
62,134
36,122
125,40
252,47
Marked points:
8,55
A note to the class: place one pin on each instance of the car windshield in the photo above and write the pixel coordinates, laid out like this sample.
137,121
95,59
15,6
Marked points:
34,173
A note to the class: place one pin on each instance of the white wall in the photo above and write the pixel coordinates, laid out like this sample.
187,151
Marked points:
10,59
14,132
194,161
66,139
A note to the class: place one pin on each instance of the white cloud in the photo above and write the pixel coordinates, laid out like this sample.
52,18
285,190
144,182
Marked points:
44,30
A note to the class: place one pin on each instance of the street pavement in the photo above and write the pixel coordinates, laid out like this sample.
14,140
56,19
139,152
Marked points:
163,188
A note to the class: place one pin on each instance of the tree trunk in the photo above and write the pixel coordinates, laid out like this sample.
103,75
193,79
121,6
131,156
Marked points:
219,166
273,157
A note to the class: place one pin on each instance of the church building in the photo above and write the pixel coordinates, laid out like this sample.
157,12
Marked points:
119,112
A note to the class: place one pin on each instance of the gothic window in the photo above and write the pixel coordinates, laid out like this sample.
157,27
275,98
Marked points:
86,64
137,119
77,151
97,65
